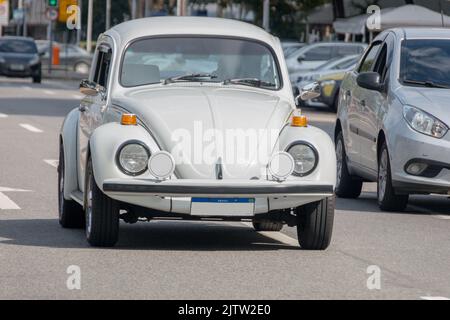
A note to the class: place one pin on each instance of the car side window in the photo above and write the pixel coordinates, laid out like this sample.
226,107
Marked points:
380,65
102,67
318,54
347,50
369,60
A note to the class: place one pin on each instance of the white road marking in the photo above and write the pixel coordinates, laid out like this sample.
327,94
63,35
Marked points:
29,127
53,163
2,115
277,236
77,96
49,92
26,88
434,298
5,202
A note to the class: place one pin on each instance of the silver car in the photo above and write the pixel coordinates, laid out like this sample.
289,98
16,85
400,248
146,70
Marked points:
393,118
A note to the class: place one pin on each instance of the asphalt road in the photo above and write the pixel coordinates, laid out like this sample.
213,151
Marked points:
192,260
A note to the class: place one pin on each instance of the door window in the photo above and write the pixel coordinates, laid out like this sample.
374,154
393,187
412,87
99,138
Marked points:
102,67
369,60
380,65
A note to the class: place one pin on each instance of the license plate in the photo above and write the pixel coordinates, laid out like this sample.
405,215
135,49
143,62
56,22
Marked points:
222,206
17,67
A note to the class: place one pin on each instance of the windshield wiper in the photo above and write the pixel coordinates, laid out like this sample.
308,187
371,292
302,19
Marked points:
430,84
190,77
253,82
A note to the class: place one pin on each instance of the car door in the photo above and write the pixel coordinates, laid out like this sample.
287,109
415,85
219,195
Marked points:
354,97
92,108
371,109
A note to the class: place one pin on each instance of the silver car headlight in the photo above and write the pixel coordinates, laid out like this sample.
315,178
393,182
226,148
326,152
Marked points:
305,158
424,122
132,158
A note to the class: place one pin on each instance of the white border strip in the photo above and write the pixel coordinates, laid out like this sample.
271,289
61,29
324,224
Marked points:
29,127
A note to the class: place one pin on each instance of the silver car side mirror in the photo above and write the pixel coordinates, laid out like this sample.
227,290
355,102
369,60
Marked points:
91,88
310,91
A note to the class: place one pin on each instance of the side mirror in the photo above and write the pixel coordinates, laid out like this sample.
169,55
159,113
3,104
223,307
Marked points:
370,81
310,91
41,53
90,88
301,58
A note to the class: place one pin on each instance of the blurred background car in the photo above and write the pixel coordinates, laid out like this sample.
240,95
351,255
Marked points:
312,56
19,58
71,57
300,78
290,46
330,86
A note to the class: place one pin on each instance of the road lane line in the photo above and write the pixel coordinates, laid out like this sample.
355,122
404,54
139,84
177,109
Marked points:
49,92
7,204
2,115
53,163
29,127
277,236
434,298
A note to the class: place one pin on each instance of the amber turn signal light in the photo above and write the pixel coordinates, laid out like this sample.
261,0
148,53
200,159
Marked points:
128,119
299,121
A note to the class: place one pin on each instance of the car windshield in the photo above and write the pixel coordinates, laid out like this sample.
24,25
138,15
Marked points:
205,59
17,46
426,62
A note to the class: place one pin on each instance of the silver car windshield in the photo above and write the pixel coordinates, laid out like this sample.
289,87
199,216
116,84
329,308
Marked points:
425,62
194,59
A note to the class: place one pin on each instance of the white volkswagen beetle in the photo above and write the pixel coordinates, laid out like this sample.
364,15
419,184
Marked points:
193,118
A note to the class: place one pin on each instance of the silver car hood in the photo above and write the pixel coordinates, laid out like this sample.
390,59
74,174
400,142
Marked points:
435,101
185,111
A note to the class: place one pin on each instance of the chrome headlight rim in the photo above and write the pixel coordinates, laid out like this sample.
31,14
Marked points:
119,151
314,150
407,108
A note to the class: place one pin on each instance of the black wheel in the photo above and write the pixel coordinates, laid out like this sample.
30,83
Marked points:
315,224
70,213
267,225
388,200
347,186
102,214
37,79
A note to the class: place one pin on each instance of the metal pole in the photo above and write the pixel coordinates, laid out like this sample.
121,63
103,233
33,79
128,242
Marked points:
89,26
80,8
50,47
266,15
133,9
108,14
181,7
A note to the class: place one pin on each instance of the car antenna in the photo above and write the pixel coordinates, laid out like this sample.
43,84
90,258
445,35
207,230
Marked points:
442,13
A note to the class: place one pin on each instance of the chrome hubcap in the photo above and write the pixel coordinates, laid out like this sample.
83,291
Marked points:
89,207
339,160
61,192
382,175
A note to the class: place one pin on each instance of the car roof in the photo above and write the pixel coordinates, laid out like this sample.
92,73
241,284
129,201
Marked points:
421,32
17,38
155,26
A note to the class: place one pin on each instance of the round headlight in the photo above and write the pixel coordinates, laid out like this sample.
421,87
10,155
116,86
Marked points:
305,158
133,158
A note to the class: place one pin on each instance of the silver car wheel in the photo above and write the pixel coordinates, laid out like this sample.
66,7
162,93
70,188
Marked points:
339,159
82,68
382,175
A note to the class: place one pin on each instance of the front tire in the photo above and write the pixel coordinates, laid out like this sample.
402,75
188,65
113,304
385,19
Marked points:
347,186
102,214
267,225
388,200
70,213
315,224
37,79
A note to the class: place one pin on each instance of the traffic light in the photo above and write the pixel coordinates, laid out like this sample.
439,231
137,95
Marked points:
52,3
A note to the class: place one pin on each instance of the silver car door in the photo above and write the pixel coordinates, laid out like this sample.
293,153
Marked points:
92,108
356,96
370,110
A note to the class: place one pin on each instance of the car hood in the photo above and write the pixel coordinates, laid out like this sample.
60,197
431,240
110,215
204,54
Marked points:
204,126
431,100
